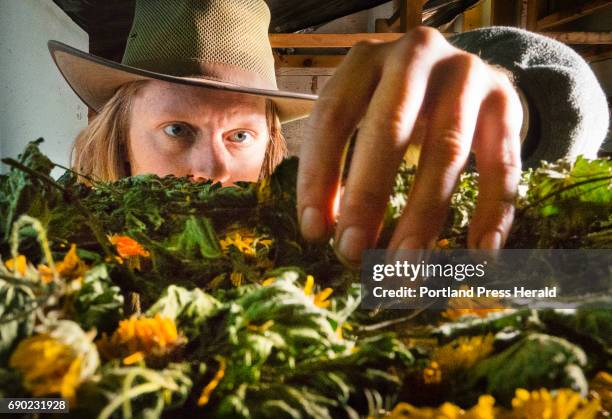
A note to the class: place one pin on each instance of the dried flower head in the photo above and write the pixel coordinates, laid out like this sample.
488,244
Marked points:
48,366
139,338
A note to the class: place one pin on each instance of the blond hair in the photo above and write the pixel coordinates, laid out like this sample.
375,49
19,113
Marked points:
100,150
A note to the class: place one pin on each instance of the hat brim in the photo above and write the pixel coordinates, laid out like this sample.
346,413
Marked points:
95,80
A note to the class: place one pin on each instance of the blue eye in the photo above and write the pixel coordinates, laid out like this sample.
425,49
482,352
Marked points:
177,130
240,136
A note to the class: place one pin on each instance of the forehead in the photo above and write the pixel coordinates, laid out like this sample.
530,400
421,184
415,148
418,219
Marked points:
161,95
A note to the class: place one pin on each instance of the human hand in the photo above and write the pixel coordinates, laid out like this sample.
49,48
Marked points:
417,89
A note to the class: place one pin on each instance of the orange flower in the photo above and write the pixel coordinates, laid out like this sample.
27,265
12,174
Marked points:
128,247
138,338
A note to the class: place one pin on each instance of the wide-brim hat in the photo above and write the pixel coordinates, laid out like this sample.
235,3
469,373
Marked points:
214,44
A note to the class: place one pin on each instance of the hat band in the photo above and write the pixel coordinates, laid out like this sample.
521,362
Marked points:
194,68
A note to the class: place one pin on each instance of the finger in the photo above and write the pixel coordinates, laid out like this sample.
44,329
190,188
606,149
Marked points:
382,141
497,147
338,110
445,150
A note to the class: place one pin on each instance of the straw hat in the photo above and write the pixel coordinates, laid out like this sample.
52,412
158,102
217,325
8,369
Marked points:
216,44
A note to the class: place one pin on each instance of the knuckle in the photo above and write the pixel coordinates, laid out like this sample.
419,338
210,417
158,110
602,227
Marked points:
362,49
391,130
450,148
311,186
421,40
464,63
424,35
361,203
327,113
512,170
499,98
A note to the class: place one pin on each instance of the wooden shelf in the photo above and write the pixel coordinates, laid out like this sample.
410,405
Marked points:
308,61
567,16
581,38
330,40
311,40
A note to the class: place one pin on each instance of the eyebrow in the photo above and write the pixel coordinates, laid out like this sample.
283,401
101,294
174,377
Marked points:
178,111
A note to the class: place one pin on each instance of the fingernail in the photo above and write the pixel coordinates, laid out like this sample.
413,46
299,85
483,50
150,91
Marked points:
313,224
410,249
490,241
352,243
410,243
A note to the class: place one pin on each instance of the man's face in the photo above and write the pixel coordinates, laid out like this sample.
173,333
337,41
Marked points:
210,134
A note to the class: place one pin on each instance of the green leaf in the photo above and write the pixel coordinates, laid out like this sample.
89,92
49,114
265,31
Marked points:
189,309
16,317
536,361
198,239
98,303
21,193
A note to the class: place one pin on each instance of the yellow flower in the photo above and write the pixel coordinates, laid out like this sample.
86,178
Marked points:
210,387
135,358
264,191
260,328
245,241
541,404
17,265
432,374
268,281
321,298
463,353
483,410
601,385
72,267
48,366
138,338
236,278
480,306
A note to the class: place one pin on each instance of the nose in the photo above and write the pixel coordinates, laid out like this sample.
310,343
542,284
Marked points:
210,159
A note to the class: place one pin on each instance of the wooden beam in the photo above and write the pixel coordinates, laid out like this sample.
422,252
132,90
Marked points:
411,14
388,25
566,16
309,61
332,40
581,38
305,71
505,12
329,40
596,53
473,17
529,18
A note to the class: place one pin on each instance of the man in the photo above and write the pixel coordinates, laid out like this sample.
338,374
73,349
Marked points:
497,92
